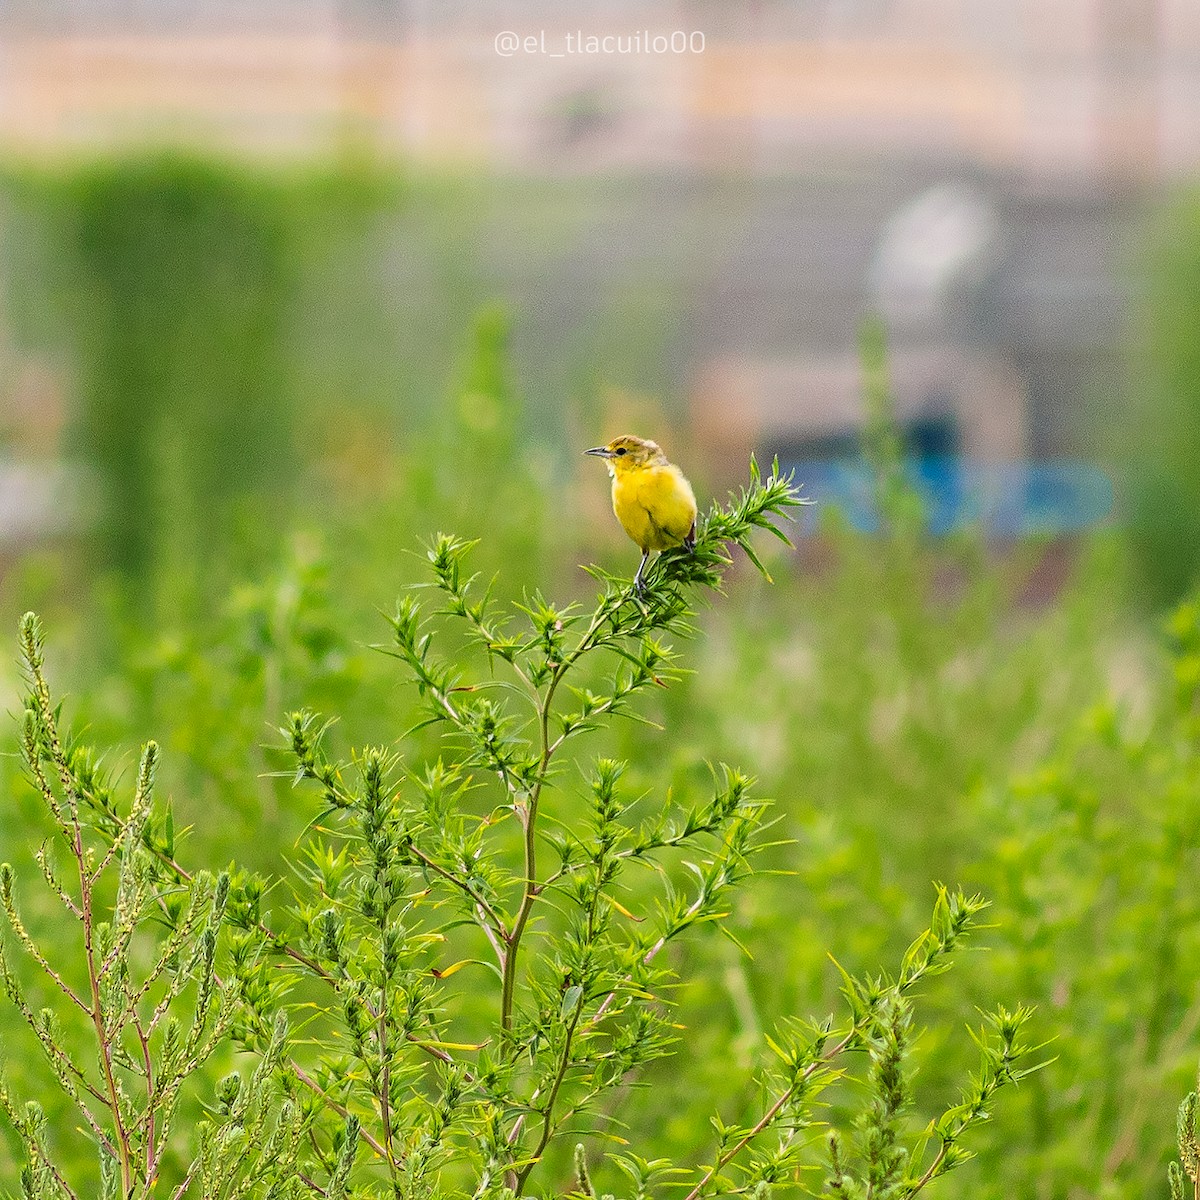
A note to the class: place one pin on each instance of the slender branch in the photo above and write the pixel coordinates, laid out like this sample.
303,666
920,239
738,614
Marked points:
769,1116
341,1110
96,1013
57,888
31,948
92,1091
385,1066
151,1155
106,1061
72,826
932,1169
466,886
648,958
529,814
495,942
58,1177
564,1063
179,1192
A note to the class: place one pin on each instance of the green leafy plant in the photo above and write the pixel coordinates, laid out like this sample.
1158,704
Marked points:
476,952
139,989
1156,445
1184,1175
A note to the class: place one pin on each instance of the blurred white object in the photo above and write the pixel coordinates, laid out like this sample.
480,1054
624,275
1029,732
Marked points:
38,500
935,246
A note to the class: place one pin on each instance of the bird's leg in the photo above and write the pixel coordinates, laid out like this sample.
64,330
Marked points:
639,584
689,542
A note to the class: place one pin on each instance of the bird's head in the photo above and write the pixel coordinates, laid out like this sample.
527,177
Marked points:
627,453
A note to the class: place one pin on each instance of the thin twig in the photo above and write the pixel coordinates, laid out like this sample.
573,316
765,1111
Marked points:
341,1110
529,813
466,886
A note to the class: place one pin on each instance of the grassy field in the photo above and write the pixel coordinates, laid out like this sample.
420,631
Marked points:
912,718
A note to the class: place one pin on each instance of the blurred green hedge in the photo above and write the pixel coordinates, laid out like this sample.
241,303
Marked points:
1160,428
175,287
246,347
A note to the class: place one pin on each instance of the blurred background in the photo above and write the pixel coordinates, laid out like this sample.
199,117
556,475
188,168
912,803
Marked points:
288,285
704,219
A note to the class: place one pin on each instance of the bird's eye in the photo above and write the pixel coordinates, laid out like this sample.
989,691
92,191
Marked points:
622,450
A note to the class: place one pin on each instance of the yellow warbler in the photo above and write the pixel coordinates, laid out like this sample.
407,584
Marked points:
652,499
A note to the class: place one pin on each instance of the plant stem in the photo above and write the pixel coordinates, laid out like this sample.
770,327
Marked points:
529,819
775,1109
564,1060
548,1112
485,909
124,1152
932,1169
385,1065
341,1110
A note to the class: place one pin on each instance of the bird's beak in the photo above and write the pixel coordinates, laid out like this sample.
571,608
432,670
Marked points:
600,452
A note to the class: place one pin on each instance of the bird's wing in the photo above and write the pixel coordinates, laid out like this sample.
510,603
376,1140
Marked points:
669,504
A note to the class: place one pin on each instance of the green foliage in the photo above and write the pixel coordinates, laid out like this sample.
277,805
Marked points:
912,713
469,1008
1094,857
880,1024
1187,1137
889,702
179,281
1160,435
140,985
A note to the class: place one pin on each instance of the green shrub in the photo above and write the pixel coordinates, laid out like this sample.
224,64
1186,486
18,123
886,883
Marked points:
1188,1141
1160,431
475,951
180,275
912,714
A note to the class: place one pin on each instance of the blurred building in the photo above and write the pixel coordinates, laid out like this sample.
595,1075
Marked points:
973,170
1057,87
946,402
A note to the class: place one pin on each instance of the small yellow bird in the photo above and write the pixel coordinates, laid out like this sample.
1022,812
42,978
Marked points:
653,501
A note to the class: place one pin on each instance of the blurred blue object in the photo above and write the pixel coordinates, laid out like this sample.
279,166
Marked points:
1020,499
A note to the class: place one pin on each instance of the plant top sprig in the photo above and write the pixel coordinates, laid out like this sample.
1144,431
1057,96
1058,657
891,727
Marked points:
411,854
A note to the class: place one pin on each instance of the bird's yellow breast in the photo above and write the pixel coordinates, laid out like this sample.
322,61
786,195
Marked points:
655,505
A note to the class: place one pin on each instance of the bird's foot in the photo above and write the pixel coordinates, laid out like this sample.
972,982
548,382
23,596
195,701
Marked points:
639,584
